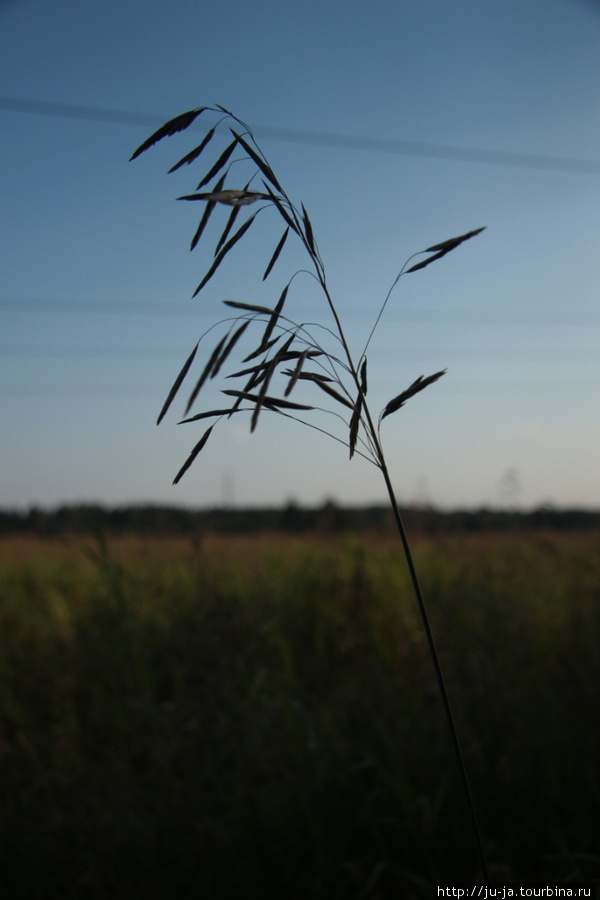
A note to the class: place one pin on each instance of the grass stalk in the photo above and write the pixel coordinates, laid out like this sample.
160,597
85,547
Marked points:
279,345
435,659
441,681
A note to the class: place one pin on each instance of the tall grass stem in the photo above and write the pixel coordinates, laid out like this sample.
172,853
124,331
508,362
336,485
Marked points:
299,345
441,681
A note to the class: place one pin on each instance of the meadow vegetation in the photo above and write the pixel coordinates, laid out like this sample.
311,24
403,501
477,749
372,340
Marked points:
257,717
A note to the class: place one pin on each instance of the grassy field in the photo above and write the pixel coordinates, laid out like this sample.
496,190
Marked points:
256,717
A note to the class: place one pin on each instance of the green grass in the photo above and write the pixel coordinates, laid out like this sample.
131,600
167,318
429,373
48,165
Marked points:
257,717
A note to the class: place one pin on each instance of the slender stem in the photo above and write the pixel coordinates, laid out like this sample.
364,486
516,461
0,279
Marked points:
380,462
419,595
381,311
438,671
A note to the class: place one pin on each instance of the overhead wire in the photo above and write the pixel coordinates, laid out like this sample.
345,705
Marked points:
313,137
288,135
122,390
57,306
463,354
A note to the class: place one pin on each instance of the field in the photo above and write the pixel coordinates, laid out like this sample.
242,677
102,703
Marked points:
256,717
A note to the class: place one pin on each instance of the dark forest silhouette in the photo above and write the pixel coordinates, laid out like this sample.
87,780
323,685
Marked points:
290,518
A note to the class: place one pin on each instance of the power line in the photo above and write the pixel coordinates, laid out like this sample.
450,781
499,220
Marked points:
103,307
506,158
77,111
70,351
63,391
461,355
515,388
511,317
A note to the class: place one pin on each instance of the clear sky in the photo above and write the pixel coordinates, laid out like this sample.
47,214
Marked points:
398,124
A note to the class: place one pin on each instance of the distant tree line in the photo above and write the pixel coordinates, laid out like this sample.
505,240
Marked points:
291,518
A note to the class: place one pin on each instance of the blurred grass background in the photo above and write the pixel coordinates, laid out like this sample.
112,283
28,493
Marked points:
256,717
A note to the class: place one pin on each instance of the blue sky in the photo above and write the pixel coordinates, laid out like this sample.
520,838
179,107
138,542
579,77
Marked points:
398,125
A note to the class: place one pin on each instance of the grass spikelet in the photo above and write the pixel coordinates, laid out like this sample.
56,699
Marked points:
218,165
363,376
179,123
262,371
250,370
268,374
315,376
426,262
296,373
229,197
237,236
451,243
193,154
261,395
199,446
205,373
260,349
229,347
355,424
283,356
274,316
223,253
177,384
249,307
440,250
262,165
230,223
281,209
278,250
274,403
205,216
308,230
323,383
208,414
418,385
